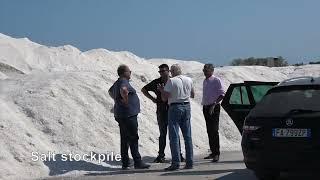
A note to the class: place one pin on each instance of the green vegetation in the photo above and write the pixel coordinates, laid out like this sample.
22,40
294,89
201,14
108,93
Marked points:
267,61
316,62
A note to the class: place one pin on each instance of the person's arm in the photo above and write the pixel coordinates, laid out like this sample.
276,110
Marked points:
219,99
125,95
192,90
145,90
110,91
165,90
211,110
165,95
148,95
220,91
192,93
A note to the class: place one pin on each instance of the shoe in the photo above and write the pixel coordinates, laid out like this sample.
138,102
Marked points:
215,158
171,168
209,157
188,167
141,166
125,168
182,158
159,160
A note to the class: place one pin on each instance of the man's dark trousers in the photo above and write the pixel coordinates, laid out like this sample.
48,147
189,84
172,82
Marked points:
212,122
162,118
129,137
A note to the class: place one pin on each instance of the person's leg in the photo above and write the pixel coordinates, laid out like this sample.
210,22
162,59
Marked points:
164,127
124,144
174,117
215,130
181,156
133,137
132,131
162,117
185,124
210,127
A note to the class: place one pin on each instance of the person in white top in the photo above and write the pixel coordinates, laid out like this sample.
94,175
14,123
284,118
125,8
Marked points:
178,91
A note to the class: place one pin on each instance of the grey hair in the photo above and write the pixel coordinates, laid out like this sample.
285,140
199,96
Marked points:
176,68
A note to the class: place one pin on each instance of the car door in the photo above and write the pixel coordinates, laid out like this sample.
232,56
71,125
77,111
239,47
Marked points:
240,98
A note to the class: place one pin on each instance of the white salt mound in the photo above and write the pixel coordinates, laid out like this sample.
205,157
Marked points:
55,99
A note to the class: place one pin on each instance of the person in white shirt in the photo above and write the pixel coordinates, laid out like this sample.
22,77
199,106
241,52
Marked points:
178,91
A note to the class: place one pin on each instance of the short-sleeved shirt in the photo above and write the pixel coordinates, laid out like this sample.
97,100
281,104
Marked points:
212,89
120,109
180,88
152,86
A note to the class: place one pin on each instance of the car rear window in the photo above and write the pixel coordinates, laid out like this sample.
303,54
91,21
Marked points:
239,96
282,100
259,91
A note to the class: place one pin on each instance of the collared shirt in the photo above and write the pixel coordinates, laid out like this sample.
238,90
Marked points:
121,110
179,88
212,89
152,86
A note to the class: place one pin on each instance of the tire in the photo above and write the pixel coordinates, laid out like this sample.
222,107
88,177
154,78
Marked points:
267,174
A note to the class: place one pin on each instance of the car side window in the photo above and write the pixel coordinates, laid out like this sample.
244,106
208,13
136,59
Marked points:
258,91
239,96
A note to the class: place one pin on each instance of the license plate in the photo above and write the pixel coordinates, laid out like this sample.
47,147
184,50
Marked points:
289,132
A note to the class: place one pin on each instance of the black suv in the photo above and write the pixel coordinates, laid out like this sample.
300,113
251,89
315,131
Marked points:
279,123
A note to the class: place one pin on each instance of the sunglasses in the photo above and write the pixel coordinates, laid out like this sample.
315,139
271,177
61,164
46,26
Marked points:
162,71
206,70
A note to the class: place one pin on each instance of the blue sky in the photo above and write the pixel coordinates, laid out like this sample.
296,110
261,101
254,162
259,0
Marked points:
206,30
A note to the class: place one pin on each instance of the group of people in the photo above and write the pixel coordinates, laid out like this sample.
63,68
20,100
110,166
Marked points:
173,95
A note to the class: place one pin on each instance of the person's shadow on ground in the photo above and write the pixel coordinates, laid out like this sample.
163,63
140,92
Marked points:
61,165
239,172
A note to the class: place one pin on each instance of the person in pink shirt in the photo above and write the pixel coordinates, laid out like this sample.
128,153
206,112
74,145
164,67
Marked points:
213,94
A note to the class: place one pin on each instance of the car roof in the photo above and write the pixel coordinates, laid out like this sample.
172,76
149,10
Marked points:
305,80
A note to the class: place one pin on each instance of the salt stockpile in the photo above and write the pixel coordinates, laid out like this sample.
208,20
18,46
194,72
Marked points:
54,99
